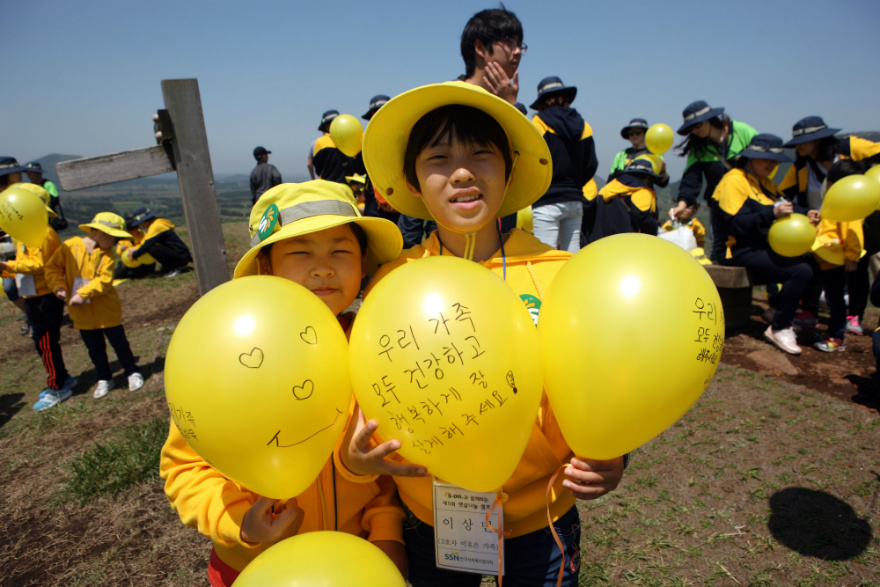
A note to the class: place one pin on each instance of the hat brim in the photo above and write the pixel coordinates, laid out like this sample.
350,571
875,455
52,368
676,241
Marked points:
8,170
779,157
684,129
813,136
148,216
384,241
624,132
104,228
571,91
370,113
387,134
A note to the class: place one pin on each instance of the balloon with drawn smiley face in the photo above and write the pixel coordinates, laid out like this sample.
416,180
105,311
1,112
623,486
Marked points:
256,378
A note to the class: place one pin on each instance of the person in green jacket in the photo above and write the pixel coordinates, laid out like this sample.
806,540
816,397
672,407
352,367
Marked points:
634,132
712,141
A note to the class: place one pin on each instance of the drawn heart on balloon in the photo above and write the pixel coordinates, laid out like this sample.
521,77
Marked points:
253,359
309,335
305,390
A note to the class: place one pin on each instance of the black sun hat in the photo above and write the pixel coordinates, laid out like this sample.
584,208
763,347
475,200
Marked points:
811,128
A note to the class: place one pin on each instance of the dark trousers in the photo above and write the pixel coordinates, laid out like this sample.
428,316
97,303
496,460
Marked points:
794,273
94,340
719,232
45,313
532,560
834,283
858,283
170,258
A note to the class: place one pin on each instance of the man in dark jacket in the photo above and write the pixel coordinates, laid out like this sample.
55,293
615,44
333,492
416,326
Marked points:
264,176
558,214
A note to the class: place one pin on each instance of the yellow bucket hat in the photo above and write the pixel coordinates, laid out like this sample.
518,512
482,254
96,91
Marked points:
112,224
295,209
41,192
388,132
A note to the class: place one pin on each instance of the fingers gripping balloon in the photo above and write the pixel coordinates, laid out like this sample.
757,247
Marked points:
256,377
447,363
631,333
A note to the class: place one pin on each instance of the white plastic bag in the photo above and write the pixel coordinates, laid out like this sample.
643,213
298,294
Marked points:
682,236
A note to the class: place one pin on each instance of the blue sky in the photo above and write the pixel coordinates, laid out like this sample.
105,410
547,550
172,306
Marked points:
84,77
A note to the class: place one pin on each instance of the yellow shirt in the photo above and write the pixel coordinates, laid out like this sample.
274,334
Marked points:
31,261
90,274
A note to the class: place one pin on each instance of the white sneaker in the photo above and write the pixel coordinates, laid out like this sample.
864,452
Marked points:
104,387
135,381
784,340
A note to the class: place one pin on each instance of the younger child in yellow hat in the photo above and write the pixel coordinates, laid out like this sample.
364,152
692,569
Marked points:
312,234
81,274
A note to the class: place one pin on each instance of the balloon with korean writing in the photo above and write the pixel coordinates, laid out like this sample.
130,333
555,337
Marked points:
631,333
444,357
256,377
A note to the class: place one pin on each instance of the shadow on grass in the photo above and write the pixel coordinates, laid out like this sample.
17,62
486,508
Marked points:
89,378
10,405
814,523
868,391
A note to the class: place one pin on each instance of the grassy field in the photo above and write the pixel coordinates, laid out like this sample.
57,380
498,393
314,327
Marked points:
761,483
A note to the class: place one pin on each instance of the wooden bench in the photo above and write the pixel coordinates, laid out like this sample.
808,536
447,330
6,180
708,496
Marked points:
735,290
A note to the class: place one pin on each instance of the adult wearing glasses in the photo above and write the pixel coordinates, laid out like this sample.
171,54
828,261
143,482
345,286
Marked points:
634,132
712,142
492,47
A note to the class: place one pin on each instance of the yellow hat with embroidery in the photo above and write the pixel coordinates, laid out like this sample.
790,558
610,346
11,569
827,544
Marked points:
112,224
294,209
41,192
387,135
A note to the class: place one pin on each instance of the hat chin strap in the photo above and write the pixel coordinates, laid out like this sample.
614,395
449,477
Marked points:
470,238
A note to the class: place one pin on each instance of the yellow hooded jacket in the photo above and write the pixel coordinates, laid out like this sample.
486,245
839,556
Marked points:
32,261
215,506
531,268
73,261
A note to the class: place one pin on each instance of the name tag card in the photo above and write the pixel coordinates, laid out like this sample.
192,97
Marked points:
464,541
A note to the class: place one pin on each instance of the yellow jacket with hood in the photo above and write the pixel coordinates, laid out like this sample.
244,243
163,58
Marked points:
90,274
531,267
31,261
215,506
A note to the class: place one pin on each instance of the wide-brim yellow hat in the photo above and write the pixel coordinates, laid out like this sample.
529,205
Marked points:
387,134
294,209
41,192
112,224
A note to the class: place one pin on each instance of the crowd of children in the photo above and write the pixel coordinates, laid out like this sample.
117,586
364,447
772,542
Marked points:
453,163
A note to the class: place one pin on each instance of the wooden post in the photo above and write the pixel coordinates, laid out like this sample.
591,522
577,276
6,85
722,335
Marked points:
196,178
183,147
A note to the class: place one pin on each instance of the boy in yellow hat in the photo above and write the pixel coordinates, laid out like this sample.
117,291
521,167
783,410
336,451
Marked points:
312,234
456,154
44,311
81,274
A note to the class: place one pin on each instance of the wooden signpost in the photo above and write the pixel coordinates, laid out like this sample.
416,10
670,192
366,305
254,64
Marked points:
183,148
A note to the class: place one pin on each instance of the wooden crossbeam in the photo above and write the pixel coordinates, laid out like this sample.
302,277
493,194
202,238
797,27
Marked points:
78,174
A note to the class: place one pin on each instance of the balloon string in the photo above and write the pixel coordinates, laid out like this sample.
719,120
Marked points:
552,527
499,499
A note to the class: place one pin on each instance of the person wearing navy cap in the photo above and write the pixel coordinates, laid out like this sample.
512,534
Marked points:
634,132
628,203
264,176
376,102
748,203
557,215
713,141
328,162
817,149
34,171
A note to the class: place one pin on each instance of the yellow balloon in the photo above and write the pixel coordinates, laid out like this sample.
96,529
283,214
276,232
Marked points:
317,559
851,198
659,138
875,173
23,216
792,236
347,134
656,162
256,378
444,356
128,260
631,333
